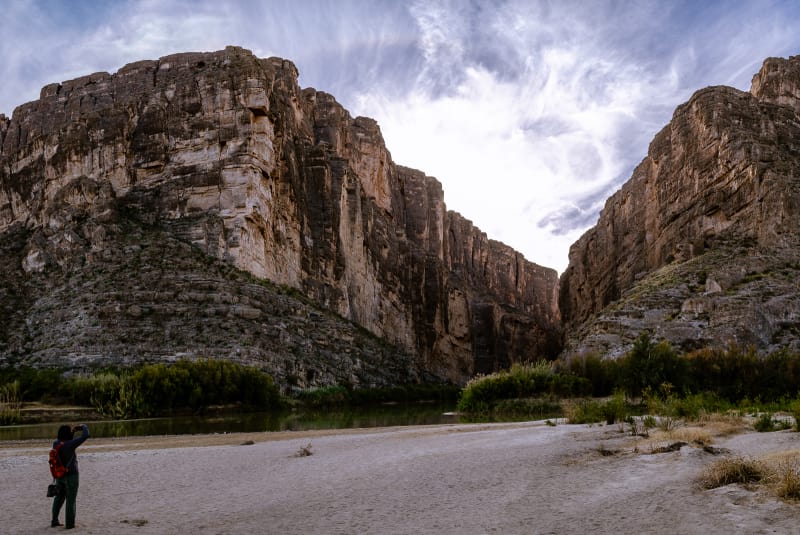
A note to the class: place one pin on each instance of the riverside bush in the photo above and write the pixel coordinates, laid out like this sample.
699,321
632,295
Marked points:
705,379
764,423
616,409
530,407
521,381
650,365
794,409
589,411
601,374
329,395
152,389
10,403
34,384
583,411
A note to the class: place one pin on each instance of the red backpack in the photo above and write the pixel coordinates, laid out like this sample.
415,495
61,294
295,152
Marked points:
57,467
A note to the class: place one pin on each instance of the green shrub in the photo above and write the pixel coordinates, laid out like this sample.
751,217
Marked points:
34,384
156,389
101,391
584,411
10,403
616,409
570,385
529,407
650,365
764,423
794,409
520,381
329,395
730,373
587,411
600,374
692,406
79,389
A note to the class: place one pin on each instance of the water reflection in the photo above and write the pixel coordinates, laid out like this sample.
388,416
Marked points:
378,416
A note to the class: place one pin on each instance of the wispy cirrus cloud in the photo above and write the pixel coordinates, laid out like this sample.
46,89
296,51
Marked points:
533,113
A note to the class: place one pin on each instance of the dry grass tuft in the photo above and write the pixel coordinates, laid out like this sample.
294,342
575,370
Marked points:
732,470
693,435
784,474
779,472
787,485
660,441
700,434
723,425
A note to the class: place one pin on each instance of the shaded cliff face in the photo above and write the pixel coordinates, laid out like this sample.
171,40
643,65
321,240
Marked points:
223,151
700,246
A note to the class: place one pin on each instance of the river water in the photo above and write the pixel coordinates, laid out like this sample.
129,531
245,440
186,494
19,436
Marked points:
345,418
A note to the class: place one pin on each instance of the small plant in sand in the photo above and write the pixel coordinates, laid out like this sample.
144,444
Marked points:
667,423
138,522
637,427
649,422
616,409
606,452
304,451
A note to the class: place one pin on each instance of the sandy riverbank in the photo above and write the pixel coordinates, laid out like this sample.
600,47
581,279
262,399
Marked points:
519,478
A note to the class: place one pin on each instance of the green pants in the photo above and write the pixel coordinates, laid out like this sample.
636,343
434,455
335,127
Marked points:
69,484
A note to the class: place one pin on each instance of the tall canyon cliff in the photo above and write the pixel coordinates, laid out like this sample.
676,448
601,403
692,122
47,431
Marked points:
700,246
203,204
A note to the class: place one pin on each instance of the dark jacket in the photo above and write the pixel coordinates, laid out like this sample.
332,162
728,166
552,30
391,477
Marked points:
67,452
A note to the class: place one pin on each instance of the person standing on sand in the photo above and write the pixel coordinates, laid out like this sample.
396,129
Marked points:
68,483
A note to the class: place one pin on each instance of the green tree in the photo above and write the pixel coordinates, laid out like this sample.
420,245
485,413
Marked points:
650,365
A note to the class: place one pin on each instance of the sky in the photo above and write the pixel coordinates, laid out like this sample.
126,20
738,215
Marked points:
530,113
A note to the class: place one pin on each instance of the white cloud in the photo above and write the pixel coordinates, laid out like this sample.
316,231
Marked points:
513,152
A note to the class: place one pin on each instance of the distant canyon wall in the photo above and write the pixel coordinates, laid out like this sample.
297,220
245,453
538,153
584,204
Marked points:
700,246
225,151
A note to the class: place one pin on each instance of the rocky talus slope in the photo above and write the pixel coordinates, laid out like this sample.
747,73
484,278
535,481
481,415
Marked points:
700,246
203,204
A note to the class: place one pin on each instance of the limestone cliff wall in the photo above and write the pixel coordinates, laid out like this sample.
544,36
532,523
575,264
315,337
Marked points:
225,151
712,210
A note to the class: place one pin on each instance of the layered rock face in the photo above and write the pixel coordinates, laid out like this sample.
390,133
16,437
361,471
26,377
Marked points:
224,152
700,246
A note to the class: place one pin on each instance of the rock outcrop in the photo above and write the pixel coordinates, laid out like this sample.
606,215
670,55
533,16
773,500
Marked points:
700,246
223,157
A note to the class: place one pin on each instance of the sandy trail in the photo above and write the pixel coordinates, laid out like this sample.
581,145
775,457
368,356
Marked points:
524,478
